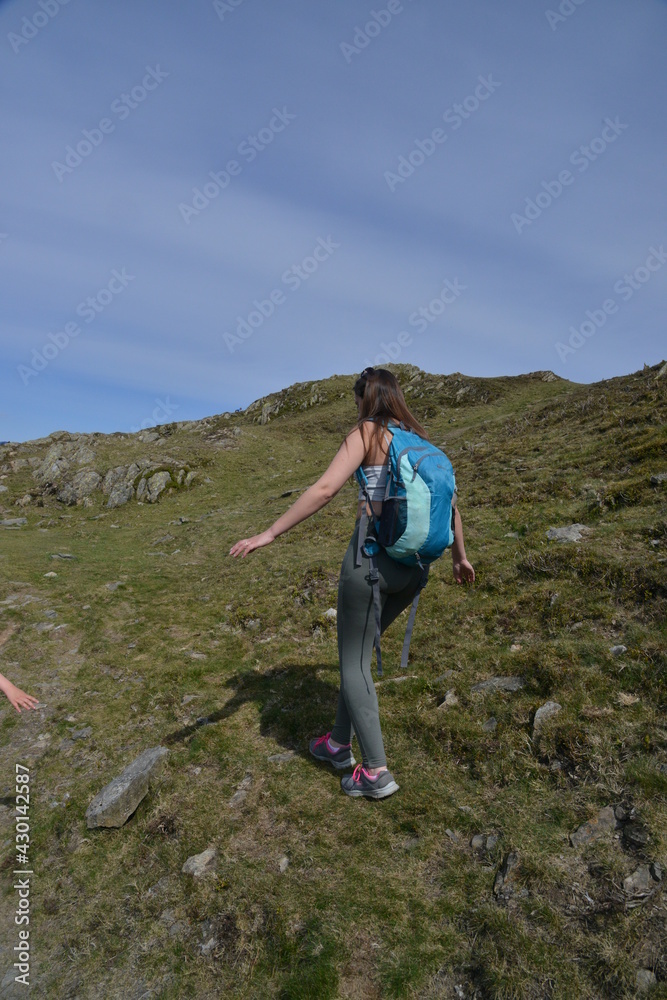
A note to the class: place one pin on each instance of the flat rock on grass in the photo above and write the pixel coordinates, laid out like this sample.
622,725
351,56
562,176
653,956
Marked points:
200,864
599,826
639,882
570,533
544,713
117,801
499,684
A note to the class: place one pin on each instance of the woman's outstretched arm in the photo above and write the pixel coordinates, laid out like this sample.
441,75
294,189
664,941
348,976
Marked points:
349,457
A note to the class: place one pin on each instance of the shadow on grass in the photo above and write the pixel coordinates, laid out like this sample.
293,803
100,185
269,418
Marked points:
294,704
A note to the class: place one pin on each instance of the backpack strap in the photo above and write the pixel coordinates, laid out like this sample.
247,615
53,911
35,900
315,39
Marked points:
368,527
375,584
411,620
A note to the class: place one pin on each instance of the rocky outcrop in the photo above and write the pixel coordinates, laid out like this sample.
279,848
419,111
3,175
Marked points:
81,486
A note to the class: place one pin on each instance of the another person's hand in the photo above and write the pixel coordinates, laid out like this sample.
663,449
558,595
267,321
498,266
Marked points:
246,545
18,697
463,572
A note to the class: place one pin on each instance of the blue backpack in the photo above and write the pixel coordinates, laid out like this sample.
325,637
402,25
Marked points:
417,521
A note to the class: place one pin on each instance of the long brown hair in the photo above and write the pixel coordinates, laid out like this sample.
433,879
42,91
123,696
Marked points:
382,400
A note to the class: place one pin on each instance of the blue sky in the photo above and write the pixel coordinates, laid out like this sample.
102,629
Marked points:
462,186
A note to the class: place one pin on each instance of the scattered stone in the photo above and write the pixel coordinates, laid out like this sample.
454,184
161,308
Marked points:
62,555
450,699
282,758
570,533
499,684
117,801
163,538
201,864
443,677
331,613
639,882
484,842
661,477
618,650
502,886
512,534
187,698
80,734
13,522
452,836
656,871
115,585
635,835
51,574
194,655
490,725
544,713
595,828
241,790
43,626
283,865
3,489
645,979
515,647
208,947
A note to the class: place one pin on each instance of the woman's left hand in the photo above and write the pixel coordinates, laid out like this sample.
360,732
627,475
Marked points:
463,571
246,545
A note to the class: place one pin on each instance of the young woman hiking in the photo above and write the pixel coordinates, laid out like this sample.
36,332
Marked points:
379,399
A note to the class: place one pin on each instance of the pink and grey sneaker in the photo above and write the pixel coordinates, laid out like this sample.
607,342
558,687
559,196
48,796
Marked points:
340,757
360,782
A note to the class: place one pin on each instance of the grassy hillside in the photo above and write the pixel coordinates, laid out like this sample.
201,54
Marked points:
230,663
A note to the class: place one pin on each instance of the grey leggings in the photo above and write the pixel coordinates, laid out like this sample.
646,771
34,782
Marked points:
357,701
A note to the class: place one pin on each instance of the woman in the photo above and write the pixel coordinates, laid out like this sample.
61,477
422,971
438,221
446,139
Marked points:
379,399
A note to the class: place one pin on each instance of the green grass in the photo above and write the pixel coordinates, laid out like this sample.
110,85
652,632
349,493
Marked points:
378,899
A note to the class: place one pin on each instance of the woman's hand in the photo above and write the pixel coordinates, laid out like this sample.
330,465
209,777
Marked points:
18,697
463,571
247,545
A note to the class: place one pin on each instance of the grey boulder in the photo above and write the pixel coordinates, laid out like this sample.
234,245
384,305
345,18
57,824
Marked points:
113,806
